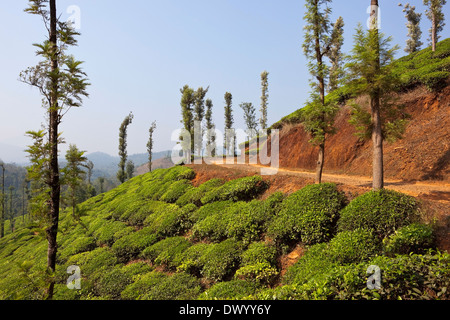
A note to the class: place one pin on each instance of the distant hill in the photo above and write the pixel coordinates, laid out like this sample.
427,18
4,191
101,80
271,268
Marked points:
106,165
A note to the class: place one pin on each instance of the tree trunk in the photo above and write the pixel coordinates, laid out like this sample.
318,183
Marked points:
433,33
377,134
54,183
320,163
377,140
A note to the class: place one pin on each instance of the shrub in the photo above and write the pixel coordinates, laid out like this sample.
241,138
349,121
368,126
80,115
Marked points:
260,271
251,221
129,246
382,212
105,234
79,245
309,215
175,191
92,261
243,189
112,283
414,238
221,259
353,246
180,286
258,263
135,269
143,284
169,220
194,195
229,290
259,252
191,261
166,251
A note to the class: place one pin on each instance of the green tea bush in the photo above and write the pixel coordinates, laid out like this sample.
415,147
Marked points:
243,189
194,195
131,245
230,290
175,191
251,222
112,283
143,284
309,215
92,261
216,225
221,260
170,220
180,286
190,261
258,263
210,209
135,269
382,212
166,251
354,246
79,245
414,238
105,235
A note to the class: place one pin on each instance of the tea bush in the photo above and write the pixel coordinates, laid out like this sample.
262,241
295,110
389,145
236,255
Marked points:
175,191
180,286
414,238
258,263
230,290
194,195
382,212
166,251
131,245
220,260
309,215
243,189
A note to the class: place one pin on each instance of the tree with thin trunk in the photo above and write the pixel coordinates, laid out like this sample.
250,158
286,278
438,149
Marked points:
250,118
437,18
73,175
264,99
320,36
199,114
62,84
130,169
369,69
229,149
122,174
90,167
151,132
210,127
413,42
101,181
187,105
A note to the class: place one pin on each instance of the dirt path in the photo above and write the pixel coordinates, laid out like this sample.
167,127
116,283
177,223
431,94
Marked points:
422,189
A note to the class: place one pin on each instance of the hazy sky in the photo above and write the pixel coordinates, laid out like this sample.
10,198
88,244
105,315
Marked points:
139,53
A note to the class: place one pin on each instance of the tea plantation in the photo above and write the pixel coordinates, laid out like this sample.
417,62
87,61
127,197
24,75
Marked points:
157,237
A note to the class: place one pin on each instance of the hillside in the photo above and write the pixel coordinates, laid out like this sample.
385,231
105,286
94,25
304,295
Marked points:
168,235
423,154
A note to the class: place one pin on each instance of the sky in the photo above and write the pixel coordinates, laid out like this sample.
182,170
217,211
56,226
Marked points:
139,54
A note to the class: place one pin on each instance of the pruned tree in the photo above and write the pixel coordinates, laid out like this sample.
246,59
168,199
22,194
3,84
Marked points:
437,18
90,167
151,132
229,149
73,175
264,99
210,127
322,39
250,118
381,118
187,105
413,42
199,114
336,71
63,84
122,174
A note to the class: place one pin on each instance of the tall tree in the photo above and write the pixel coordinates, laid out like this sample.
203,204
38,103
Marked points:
2,217
413,42
249,118
264,99
122,174
436,16
199,114
210,127
187,105
73,174
229,149
320,36
62,84
90,167
335,55
151,132
130,169
370,68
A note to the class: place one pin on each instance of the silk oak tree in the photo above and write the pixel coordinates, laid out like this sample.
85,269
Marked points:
62,84
151,132
123,133
436,16
322,40
369,69
413,42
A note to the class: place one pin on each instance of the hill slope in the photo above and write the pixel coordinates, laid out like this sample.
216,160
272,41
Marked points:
158,236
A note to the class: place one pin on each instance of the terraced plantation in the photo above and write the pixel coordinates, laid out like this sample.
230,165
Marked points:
158,237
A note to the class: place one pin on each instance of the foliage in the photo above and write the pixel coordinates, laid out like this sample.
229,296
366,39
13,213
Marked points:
131,245
122,174
242,189
382,212
166,251
309,215
258,263
230,290
221,259
413,238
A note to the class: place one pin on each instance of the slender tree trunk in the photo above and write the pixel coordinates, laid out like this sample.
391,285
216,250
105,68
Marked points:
433,33
54,182
320,163
377,134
